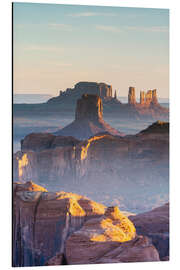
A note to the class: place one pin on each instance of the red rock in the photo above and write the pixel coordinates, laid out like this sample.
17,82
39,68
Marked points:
88,119
155,224
43,220
131,96
107,239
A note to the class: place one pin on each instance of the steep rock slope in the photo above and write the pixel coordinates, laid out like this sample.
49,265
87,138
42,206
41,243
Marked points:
155,224
43,220
88,119
66,228
138,165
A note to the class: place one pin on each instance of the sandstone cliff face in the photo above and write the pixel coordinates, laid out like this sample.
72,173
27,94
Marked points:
88,119
42,221
103,90
155,225
146,98
131,96
135,163
89,107
42,141
66,228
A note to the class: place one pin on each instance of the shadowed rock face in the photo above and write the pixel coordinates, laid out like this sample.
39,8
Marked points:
88,119
157,127
65,103
103,90
41,141
43,220
155,225
66,228
89,107
138,164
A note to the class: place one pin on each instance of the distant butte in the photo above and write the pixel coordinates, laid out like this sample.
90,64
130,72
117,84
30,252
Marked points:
148,107
88,119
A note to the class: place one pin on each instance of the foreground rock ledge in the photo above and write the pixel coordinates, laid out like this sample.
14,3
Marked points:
51,228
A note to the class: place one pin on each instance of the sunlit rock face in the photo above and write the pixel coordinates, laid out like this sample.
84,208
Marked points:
131,96
88,119
53,228
43,220
128,169
107,239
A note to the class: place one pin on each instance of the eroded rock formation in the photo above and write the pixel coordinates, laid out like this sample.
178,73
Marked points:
132,96
65,103
155,225
89,107
66,228
137,163
103,90
43,220
88,119
146,98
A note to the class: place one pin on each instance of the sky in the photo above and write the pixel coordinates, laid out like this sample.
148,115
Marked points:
55,46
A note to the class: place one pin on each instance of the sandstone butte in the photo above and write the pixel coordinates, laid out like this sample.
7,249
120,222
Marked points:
148,107
66,228
88,119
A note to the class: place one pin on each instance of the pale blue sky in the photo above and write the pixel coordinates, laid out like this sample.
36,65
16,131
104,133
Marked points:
56,46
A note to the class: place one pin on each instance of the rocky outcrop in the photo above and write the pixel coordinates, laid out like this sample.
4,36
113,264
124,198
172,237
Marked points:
155,225
88,119
108,239
142,97
65,103
136,164
158,127
27,186
89,107
131,96
146,98
103,90
42,221
54,228
41,141
37,141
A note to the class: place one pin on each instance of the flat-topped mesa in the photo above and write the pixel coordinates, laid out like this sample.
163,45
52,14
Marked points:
89,107
131,95
100,89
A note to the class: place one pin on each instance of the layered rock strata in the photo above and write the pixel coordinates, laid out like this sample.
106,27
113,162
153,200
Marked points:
137,163
155,225
66,228
43,220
